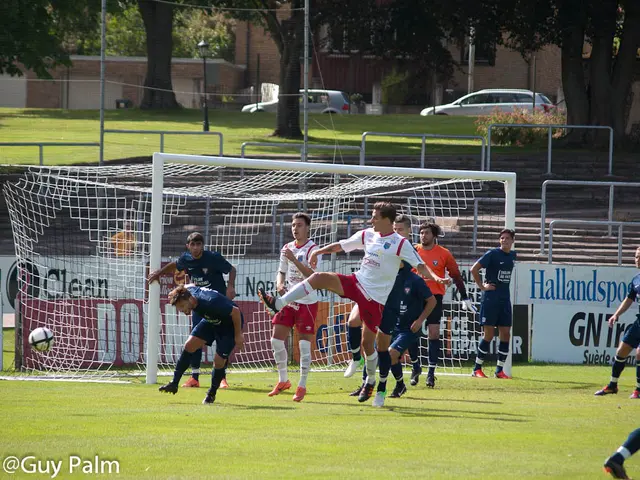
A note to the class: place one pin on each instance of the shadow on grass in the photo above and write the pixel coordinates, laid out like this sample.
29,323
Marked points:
254,407
484,402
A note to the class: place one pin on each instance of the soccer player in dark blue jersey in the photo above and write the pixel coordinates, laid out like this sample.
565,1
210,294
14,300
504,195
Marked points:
615,463
221,321
630,340
205,269
415,307
495,309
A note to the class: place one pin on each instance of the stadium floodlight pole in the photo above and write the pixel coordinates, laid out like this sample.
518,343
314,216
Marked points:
203,47
472,59
305,101
103,48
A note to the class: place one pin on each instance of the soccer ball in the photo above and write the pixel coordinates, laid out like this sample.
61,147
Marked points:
41,339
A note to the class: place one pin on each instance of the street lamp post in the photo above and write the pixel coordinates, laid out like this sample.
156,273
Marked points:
203,47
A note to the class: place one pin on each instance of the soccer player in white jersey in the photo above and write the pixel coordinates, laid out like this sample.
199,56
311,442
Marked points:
294,268
369,287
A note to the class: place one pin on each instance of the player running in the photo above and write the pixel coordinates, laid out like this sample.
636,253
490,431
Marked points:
369,287
221,321
293,269
205,269
495,309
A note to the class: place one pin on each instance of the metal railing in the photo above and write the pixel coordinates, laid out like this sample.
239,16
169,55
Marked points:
476,201
423,148
550,127
620,226
41,146
583,183
297,146
162,133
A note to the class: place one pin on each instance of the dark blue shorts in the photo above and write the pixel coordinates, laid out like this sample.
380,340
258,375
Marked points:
632,334
223,336
496,313
403,339
436,314
389,320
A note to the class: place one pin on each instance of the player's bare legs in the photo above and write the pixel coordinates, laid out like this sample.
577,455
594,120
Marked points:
191,345
318,281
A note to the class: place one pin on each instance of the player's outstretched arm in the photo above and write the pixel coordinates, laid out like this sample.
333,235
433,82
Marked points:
331,248
168,268
427,273
624,306
237,328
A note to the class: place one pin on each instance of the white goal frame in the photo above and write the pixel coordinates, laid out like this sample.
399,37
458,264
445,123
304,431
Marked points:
159,160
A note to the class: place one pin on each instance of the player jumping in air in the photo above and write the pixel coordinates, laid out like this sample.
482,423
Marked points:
630,340
205,269
221,321
294,268
495,309
369,287
615,463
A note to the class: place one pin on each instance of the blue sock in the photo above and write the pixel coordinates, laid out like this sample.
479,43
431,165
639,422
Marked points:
628,448
216,377
396,370
616,370
413,351
483,349
503,352
434,354
181,366
384,365
354,335
196,358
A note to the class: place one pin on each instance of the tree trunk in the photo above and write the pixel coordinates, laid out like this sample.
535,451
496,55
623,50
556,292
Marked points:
288,113
158,24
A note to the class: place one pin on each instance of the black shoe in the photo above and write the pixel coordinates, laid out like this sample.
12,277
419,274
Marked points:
615,469
431,380
356,392
366,393
415,376
399,390
269,301
169,388
209,399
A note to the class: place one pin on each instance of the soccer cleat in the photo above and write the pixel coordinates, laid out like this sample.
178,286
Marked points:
357,391
615,469
399,390
635,394
415,376
378,400
431,380
224,384
607,390
279,388
269,301
191,383
209,399
366,392
300,393
478,373
502,375
169,388
352,367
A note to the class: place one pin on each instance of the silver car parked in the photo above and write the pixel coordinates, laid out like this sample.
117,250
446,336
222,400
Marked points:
484,102
320,101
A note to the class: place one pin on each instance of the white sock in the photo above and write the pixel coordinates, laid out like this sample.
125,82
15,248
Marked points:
305,362
301,290
372,364
280,355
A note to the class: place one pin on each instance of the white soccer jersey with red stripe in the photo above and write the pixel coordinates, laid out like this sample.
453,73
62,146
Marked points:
381,262
293,275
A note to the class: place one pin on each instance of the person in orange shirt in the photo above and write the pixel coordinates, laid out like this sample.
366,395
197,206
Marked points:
439,259
124,241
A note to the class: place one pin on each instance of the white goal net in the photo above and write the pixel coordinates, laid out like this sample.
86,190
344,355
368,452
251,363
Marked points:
86,238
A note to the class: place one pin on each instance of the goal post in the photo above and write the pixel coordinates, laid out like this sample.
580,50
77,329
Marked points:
160,160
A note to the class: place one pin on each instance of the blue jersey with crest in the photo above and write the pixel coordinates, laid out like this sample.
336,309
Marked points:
498,266
414,295
634,288
212,306
205,271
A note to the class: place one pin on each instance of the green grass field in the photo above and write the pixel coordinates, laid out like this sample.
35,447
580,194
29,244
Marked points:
52,125
545,423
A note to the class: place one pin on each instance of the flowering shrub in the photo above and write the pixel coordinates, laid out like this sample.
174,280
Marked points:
520,136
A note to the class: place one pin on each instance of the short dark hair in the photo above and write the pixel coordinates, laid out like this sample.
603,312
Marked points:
386,209
195,237
179,293
404,219
509,231
303,216
436,231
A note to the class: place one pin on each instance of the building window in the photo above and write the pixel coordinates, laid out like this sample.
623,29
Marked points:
485,54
